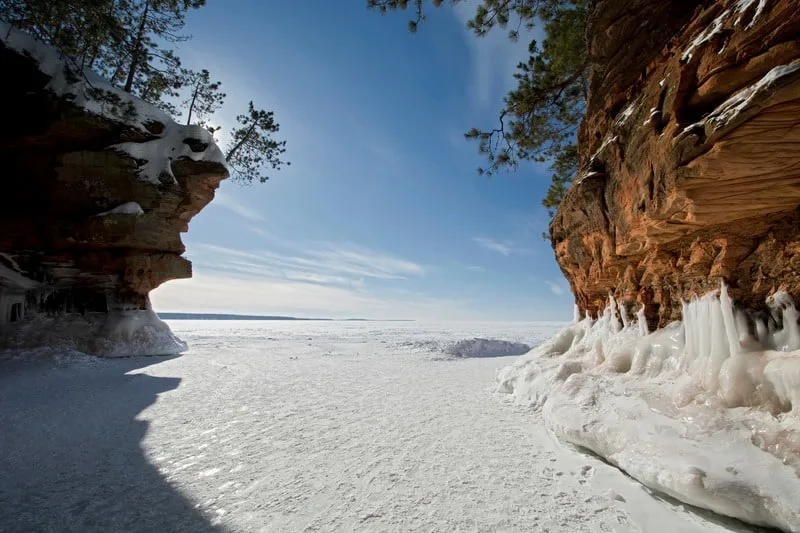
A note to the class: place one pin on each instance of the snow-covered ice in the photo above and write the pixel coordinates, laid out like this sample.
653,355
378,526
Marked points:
302,426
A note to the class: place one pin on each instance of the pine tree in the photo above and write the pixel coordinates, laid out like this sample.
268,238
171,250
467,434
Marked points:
129,42
252,147
204,97
81,30
540,118
157,20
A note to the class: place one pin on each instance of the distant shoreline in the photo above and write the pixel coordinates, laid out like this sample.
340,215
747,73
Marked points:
225,316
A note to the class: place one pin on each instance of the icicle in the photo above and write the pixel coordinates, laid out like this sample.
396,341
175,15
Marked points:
726,306
623,313
784,311
762,330
642,320
613,314
576,315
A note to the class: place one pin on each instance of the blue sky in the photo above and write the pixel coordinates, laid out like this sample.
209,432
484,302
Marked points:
381,213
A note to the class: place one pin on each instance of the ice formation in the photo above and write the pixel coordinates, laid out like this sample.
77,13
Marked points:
704,410
122,333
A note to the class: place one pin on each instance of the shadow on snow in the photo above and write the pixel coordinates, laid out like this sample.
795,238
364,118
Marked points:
71,454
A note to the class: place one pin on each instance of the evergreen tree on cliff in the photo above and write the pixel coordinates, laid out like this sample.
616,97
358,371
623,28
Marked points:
127,41
131,42
540,118
204,98
252,148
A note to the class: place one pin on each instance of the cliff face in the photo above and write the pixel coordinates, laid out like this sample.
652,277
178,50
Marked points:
690,156
97,187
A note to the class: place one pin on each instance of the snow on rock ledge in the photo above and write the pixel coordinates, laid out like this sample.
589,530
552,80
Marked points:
98,186
707,411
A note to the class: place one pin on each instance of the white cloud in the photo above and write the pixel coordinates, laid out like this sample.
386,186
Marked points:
475,268
506,247
222,199
556,288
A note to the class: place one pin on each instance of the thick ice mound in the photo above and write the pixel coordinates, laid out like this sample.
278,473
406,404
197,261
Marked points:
114,334
486,348
705,410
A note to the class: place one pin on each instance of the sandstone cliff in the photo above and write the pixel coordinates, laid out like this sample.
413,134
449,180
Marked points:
690,156
97,187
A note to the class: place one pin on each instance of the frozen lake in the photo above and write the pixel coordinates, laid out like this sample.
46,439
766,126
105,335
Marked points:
302,426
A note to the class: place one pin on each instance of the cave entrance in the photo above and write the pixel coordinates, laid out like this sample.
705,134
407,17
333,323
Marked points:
16,312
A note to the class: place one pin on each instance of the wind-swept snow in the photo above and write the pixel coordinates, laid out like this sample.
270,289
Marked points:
287,426
704,411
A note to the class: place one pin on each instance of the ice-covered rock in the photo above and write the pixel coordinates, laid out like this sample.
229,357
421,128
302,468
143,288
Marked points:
705,410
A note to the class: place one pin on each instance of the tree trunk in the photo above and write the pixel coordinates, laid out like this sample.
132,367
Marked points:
240,143
191,105
137,52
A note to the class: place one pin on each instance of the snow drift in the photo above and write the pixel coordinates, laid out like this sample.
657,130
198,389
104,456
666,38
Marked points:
704,410
486,348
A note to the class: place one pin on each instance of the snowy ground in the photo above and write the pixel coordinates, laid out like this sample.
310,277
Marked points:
303,426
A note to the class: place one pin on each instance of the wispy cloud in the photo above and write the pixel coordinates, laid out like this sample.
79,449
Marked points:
221,199
556,288
493,245
314,262
505,247
494,57
475,268
319,278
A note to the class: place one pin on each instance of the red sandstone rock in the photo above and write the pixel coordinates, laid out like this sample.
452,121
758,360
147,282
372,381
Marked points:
690,156
59,173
